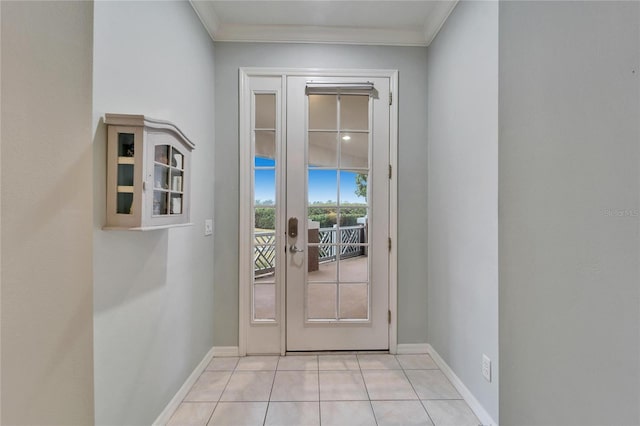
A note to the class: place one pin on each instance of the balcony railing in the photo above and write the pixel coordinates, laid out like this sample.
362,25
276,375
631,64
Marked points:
348,243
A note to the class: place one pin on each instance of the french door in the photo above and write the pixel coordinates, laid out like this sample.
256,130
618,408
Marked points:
319,211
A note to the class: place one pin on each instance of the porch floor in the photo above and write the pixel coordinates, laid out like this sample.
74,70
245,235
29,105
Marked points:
322,292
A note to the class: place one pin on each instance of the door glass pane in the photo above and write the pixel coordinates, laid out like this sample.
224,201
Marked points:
321,301
264,298
354,112
322,268
323,149
266,145
265,187
353,188
354,264
323,112
354,301
265,255
265,111
354,150
323,188
338,208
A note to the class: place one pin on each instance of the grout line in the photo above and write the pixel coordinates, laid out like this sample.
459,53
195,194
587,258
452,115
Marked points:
416,392
367,390
319,398
273,383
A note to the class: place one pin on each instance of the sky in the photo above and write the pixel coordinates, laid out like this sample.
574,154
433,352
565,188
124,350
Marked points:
322,184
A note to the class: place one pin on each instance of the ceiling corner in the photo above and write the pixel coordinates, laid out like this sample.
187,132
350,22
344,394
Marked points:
437,18
208,17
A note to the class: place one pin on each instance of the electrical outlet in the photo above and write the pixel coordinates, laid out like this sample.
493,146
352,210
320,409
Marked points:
486,367
208,227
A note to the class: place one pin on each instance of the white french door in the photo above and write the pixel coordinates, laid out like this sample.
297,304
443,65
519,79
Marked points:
338,190
317,221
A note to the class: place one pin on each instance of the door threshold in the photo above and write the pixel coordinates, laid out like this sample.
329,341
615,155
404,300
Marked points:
371,352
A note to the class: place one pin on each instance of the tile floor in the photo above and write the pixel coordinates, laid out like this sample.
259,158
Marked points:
349,390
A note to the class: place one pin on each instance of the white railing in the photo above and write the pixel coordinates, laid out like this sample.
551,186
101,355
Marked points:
348,242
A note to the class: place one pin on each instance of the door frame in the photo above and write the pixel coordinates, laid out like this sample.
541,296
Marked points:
245,214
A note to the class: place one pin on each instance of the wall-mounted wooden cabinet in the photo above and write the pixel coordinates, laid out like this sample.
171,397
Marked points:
148,173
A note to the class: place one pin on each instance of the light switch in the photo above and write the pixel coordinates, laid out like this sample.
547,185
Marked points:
208,227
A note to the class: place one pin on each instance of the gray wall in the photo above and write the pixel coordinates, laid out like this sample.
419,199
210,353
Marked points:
569,188
411,63
47,349
462,230
153,290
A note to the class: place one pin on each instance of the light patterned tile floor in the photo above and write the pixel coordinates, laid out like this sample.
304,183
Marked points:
343,390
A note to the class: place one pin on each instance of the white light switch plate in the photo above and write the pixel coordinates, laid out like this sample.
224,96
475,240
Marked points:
486,367
208,227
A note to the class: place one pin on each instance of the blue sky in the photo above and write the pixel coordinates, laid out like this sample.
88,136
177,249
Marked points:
322,184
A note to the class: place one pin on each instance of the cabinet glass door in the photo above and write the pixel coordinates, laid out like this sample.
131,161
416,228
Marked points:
168,173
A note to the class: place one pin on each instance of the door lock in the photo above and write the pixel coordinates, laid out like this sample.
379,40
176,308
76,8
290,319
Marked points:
293,227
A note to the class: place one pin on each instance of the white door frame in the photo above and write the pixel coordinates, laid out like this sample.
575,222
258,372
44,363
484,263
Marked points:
246,215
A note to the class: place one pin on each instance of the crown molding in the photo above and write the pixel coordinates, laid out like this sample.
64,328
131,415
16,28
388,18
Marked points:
208,17
220,31
317,34
436,19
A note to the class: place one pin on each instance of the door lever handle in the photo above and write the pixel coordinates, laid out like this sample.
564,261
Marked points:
294,249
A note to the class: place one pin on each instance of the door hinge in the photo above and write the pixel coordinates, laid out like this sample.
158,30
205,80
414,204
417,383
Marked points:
390,171
390,98
389,316
389,243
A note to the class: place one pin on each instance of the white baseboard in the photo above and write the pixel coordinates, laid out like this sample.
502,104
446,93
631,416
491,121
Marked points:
412,348
225,351
474,404
172,406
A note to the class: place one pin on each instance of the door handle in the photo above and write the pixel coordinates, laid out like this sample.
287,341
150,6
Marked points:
294,249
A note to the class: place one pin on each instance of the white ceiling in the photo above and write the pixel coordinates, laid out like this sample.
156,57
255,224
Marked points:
389,22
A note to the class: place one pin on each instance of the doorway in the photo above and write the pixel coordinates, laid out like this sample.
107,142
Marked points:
317,267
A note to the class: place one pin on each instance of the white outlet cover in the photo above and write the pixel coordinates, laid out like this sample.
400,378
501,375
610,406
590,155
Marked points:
208,227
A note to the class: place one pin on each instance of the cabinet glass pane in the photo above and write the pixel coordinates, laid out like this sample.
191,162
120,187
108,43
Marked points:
323,112
162,154
177,159
264,301
176,204
323,149
354,150
161,177
125,174
265,111
125,145
354,301
159,203
124,203
321,301
176,180
354,112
